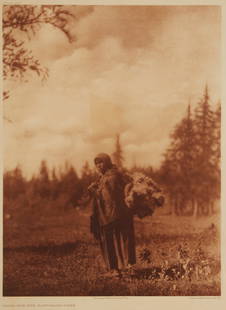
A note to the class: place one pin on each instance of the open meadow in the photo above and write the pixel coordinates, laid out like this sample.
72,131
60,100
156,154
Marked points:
48,254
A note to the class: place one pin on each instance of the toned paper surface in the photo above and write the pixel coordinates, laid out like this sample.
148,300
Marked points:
113,73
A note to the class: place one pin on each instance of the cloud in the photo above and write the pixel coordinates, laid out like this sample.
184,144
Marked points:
136,26
131,71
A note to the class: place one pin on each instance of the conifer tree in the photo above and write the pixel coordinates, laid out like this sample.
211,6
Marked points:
217,153
217,135
205,143
43,182
70,186
55,182
178,163
191,167
118,154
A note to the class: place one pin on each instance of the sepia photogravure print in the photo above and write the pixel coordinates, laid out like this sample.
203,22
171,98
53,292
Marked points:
112,150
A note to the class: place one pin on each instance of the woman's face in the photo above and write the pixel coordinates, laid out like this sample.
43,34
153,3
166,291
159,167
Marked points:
101,166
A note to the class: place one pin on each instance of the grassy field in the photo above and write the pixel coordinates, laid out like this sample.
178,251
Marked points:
55,255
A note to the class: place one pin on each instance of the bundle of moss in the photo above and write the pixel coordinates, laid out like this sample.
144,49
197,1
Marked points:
143,195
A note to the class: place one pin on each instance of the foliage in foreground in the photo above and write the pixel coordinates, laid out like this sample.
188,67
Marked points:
60,258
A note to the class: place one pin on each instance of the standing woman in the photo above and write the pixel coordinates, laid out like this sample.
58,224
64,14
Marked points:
112,221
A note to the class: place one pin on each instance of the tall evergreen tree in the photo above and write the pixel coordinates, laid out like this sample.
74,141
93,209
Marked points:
70,186
43,182
87,175
217,116
178,164
205,144
204,123
118,153
14,183
217,151
55,184
191,168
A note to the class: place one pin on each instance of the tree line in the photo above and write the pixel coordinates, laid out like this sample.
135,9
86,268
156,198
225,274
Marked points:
189,172
62,187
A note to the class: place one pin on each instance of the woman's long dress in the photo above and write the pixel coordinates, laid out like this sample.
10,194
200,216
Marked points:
116,230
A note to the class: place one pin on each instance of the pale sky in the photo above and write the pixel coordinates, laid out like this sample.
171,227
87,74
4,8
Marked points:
131,70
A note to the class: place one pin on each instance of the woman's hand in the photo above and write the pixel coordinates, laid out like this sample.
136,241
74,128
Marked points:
92,188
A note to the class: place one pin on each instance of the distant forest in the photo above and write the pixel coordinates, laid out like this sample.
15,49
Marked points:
189,173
